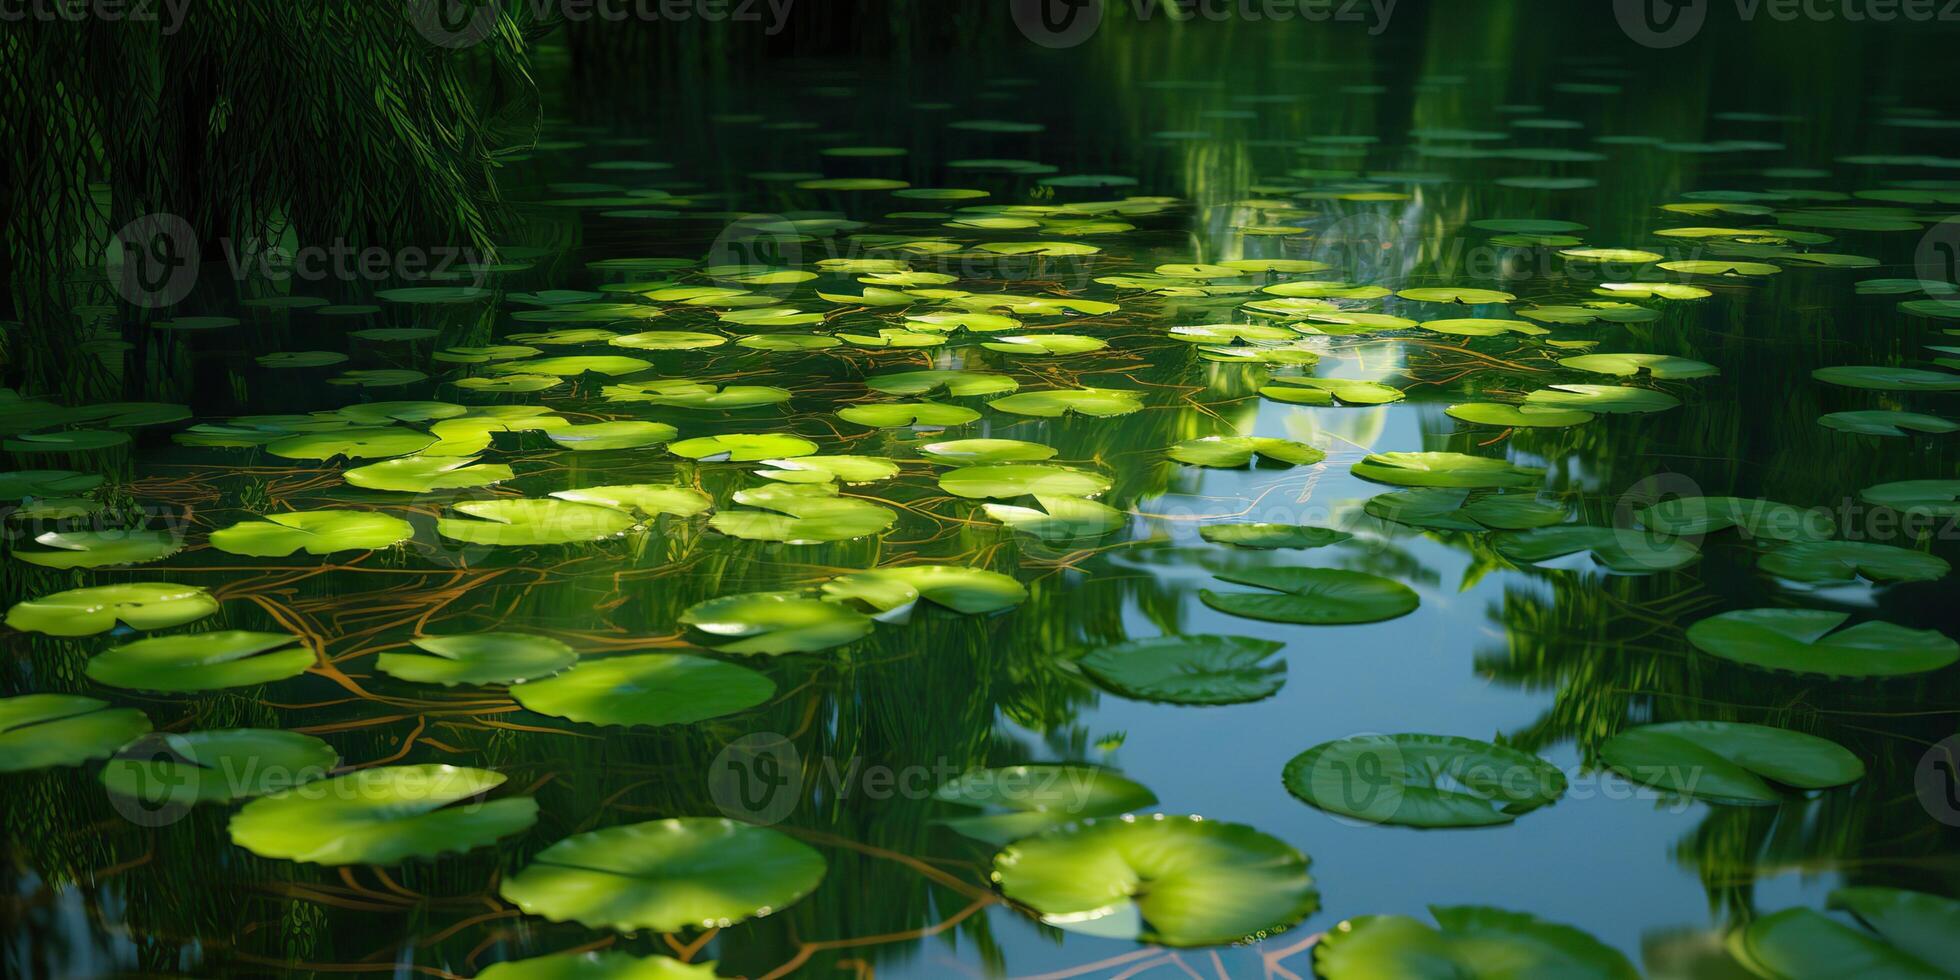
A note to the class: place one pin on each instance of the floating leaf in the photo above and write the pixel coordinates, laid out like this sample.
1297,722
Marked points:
776,623
21,484
1188,669
1444,470
1620,549
1057,402
1003,481
97,609
1936,498
317,532
1044,343
1628,365
1911,935
647,500
1423,780
646,689
1456,294
1322,391
1263,535
1729,762
1845,561
40,731
1517,416
611,365
381,816
958,384
424,474
979,451
829,469
666,876
1172,881
612,435
216,766
1480,327
69,441
100,549
1235,451
1802,641
515,521
370,442
201,661
1716,267
1030,799
1060,519
804,513
1886,423
1608,399
1470,941
893,415
1320,596
743,447
668,340
892,591
695,395
1452,510
1881,378
1755,517
478,658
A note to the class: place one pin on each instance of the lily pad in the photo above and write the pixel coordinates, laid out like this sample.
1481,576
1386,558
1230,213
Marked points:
365,442
668,340
1622,549
803,513
611,365
1423,780
1188,669
646,689
1320,596
958,384
1608,399
201,661
1482,327
100,549
1886,423
1029,799
666,876
425,474
969,452
743,447
1755,518
612,435
1172,881
695,395
514,521
1628,365
1060,519
1729,762
1882,378
1471,942
1004,481
894,415
216,766
829,469
1438,469
1236,451
97,609
1907,934
383,815
40,731
478,658
1517,416
1057,402
1937,498
1803,641
892,592
317,532
647,500
776,623
1323,391
1265,535
1456,294
1846,561
21,484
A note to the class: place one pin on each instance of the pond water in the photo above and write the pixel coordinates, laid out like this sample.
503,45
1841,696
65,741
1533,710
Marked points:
1186,223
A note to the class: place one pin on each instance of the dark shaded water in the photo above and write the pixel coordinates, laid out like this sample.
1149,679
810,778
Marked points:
1384,153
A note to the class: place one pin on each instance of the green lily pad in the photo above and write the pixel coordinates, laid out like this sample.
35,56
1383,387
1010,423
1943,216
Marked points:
423,474
1456,294
1907,934
1264,535
216,766
804,513
666,876
646,689
1323,391
201,661
40,731
1188,669
384,815
829,469
695,395
609,965
1608,399
892,592
1802,641
365,442
1446,509
1423,780
1886,423
904,414
1444,470
611,365
1060,519
1226,333
788,341
301,359
378,378
1720,267
612,435
21,484
668,340
1044,343
1471,942
743,447
1756,518
970,452
958,384
1029,799
1882,378
1057,402
1004,481
1236,451
1482,327
100,549
1517,416
515,521
97,609
510,383
1620,549
1320,596
1937,498
317,532
69,441
1172,881
647,500
1846,561
478,658
776,623
1729,762
1628,365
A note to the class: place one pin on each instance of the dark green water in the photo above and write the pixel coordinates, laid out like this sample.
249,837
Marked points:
1383,152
